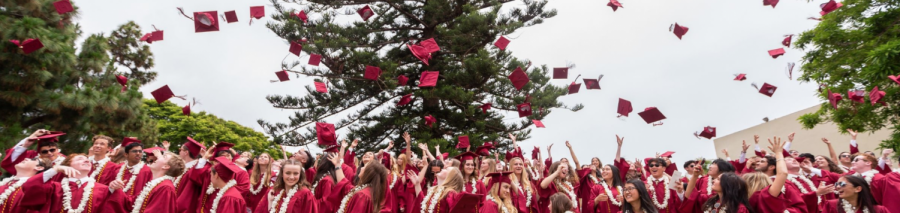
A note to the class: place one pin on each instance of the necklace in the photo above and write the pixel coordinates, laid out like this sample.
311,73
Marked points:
139,202
609,194
867,175
284,201
431,200
570,191
85,197
134,173
9,190
393,182
219,195
474,188
651,186
348,196
259,187
313,189
527,191
101,165
802,187
850,209
534,175
709,185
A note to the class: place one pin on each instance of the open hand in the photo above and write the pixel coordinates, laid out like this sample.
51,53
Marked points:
825,140
620,140
756,139
852,133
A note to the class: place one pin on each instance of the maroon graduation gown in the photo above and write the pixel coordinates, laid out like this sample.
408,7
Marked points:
303,201
763,202
605,206
695,202
161,199
103,172
48,197
254,199
810,198
585,191
189,190
552,189
478,187
323,193
11,204
445,203
659,190
886,190
361,202
832,206
9,165
520,198
143,176
231,202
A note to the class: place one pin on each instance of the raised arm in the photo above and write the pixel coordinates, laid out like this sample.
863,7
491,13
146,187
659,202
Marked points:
437,153
692,183
283,152
408,144
780,167
513,138
549,179
577,165
338,172
830,149
619,140
854,147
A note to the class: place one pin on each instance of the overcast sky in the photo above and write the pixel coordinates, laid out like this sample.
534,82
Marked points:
689,80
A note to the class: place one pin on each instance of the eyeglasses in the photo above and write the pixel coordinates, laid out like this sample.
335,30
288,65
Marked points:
655,165
840,184
845,156
858,159
47,151
628,189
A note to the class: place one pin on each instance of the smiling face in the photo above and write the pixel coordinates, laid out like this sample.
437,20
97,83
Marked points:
28,164
291,175
656,169
517,166
716,187
100,147
81,163
795,153
564,170
47,152
860,164
791,163
160,164
607,173
821,163
713,170
631,193
848,190
845,157
595,162
469,167
504,191
441,173
264,159
484,165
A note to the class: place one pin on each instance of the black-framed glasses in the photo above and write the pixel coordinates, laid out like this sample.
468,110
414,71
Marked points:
628,189
840,184
654,165
46,151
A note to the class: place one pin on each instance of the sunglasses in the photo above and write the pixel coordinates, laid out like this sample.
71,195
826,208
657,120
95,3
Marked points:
845,156
655,165
840,184
48,151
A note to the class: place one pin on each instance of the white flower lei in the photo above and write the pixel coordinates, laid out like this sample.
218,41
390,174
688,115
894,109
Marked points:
188,166
100,166
259,187
849,208
723,209
432,191
393,182
793,179
709,185
503,208
867,175
11,188
59,160
651,187
219,195
610,194
571,192
474,188
595,179
67,196
139,202
284,204
313,189
534,175
134,172
528,193
348,196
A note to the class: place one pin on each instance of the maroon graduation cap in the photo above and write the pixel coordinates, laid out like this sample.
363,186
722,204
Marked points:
162,94
63,6
156,35
518,78
129,140
468,203
896,79
423,50
231,16
829,7
206,21
740,77
282,75
834,98
767,89
485,107
524,109
560,72
302,16
405,100
875,96
365,12
296,48
708,132
592,83
51,137
535,152
149,151
321,87
463,142
624,108
29,45
614,4
325,134
314,59
776,52
429,78
401,80
538,123
652,114
429,120
372,73
573,88
667,154
257,12
501,43
122,81
770,2
679,30
857,95
787,38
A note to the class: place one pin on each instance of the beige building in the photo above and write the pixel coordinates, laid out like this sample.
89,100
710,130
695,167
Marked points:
805,140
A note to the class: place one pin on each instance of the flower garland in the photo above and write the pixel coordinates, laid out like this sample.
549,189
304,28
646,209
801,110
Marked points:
227,186
12,188
432,191
528,193
313,189
59,160
610,194
809,183
651,181
393,182
867,175
716,209
474,188
570,191
849,208
134,172
503,208
258,188
348,196
285,202
595,179
709,185
534,174
101,165
139,201
188,166
67,196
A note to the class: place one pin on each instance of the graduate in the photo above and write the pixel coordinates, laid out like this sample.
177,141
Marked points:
77,192
560,203
470,175
637,199
524,192
608,193
885,188
327,176
730,195
291,192
100,162
46,149
260,180
369,195
221,194
186,190
159,194
499,199
854,196
561,179
441,197
765,193
134,172
223,149
663,198
11,193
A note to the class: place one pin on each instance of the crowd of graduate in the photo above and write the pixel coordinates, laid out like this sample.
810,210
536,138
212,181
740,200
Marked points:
124,176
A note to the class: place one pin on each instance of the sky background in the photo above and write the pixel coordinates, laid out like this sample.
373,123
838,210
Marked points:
689,80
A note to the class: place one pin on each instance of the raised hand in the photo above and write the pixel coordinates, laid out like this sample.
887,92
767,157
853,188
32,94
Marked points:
620,140
825,140
413,177
776,145
791,137
744,146
548,148
637,164
209,153
166,145
756,139
68,171
568,145
390,145
355,142
334,160
512,137
344,144
406,137
422,146
725,151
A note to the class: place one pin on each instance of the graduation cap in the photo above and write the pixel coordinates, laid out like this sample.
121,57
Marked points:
50,137
667,154
314,59
678,30
518,78
405,100
193,146
365,12
150,37
767,89
896,79
770,2
483,150
857,95
429,120
776,52
538,123
535,152
445,155
401,80
325,134
708,132
614,4
573,88
787,38
829,7
463,142
63,6
302,16
150,150
740,77
372,73
332,149
501,43
231,16
226,169
186,110
875,96
162,94
128,140
485,107
789,70
206,21
466,156
560,72
122,81
321,87
257,12
652,114
29,45
282,75
222,146
296,48
498,178
834,98
524,109
429,78
592,83
423,50
624,108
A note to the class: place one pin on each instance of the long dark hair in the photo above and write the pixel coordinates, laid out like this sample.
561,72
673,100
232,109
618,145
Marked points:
617,180
429,175
376,176
310,160
724,166
325,168
734,193
561,203
832,167
864,197
646,203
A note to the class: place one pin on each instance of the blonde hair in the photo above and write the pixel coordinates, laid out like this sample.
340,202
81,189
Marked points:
756,181
454,163
257,169
524,180
176,164
492,166
454,181
495,192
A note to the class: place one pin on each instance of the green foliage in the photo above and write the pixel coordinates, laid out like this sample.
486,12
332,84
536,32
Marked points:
856,48
206,128
59,89
473,72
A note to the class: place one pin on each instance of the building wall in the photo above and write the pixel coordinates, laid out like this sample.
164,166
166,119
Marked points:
805,140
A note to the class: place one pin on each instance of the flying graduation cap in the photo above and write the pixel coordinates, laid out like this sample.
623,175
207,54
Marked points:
423,50
321,87
787,39
206,21
501,43
463,142
740,77
518,78
156,35
429,78
257,12
770,2
485,107
295,48
875,96
538,123
708,133
789,70
834,98
29,45
63,6
429,120
401,80
592,83
679,30
614,4
776,52
302,16
230,16
282,76
524,109
829,7
896,79
858,96
562,72
122,81
365,12
767,89
624,108
405,100
163,93
652,115
314,59
325,134
372,73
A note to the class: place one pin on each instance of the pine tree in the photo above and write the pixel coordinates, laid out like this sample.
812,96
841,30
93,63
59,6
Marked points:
61,89
472,71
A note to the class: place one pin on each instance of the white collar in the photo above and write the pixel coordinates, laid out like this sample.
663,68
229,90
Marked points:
97,161
82,180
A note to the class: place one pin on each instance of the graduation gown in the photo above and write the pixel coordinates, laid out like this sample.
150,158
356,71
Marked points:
659,194
361,202
11,204
552,189
444,205
478,187
231,202
585,191
763,202
323,192
702,184
605,206
885,188
161,199
253,200
339,191
520,198
103,172
810,198
10,165
695,202
143,176
188,190
48,197
832,206
303,201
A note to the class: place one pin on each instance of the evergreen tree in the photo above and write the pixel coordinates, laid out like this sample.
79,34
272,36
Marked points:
856,47
61,89
472,71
